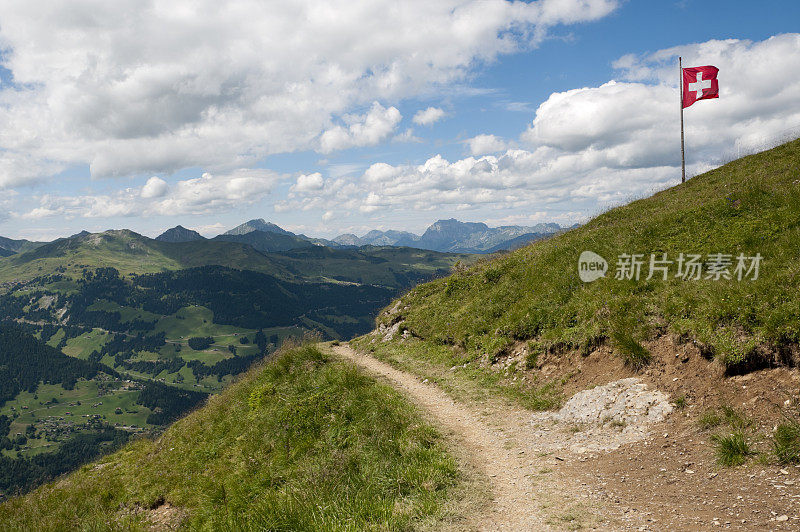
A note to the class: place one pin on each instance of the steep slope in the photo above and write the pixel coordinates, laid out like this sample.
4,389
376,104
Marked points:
747,208
446,234
544,329
301,443
179,234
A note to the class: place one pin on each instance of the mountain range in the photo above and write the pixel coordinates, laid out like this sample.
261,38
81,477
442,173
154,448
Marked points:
449,236
457,237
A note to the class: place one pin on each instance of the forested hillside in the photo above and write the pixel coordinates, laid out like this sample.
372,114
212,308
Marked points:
47,425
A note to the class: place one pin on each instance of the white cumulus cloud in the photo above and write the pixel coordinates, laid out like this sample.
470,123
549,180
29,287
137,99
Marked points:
590,147
131,88
361,130
209,193
309,183
429,116
483,144
154,188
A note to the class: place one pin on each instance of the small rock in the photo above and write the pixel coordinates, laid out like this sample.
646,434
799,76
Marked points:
784,472
783,517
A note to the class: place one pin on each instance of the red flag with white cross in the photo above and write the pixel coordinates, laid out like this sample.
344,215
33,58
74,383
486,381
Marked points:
699,83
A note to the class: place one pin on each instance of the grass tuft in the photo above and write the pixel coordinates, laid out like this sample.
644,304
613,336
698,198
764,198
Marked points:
632,352
786,443
709,419
732,449
680,402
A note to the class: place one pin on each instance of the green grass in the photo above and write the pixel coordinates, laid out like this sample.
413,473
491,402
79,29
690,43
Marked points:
83,345
123,250
709,419
304,442
749,206
732,449
127,314
786,443
461,377
680,402
56,338
724,415
194,321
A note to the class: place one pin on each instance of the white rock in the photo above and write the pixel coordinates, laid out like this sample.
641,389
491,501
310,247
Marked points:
627,401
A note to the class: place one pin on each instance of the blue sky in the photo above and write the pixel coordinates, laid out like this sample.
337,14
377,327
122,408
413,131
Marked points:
148,116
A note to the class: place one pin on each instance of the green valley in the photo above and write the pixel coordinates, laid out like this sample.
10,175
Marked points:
164,324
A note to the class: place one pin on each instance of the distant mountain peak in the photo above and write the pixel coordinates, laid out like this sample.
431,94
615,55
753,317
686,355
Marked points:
451,224
179,234
258,224
378,238
348,239
9,246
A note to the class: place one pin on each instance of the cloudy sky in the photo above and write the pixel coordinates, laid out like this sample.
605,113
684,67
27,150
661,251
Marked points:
342,116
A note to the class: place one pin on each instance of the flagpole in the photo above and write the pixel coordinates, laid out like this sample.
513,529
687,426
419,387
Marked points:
683,152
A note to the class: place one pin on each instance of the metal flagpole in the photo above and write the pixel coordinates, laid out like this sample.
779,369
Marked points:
683,152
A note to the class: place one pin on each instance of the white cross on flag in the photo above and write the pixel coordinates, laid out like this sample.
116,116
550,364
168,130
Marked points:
699,83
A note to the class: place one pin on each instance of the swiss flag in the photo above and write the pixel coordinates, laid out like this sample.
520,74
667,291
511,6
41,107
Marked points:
699,83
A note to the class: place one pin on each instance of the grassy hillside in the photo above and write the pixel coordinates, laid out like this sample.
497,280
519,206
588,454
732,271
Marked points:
124,250
750,206
130,253
303,443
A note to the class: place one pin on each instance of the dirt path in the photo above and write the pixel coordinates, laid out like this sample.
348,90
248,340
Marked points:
521,498
547,473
